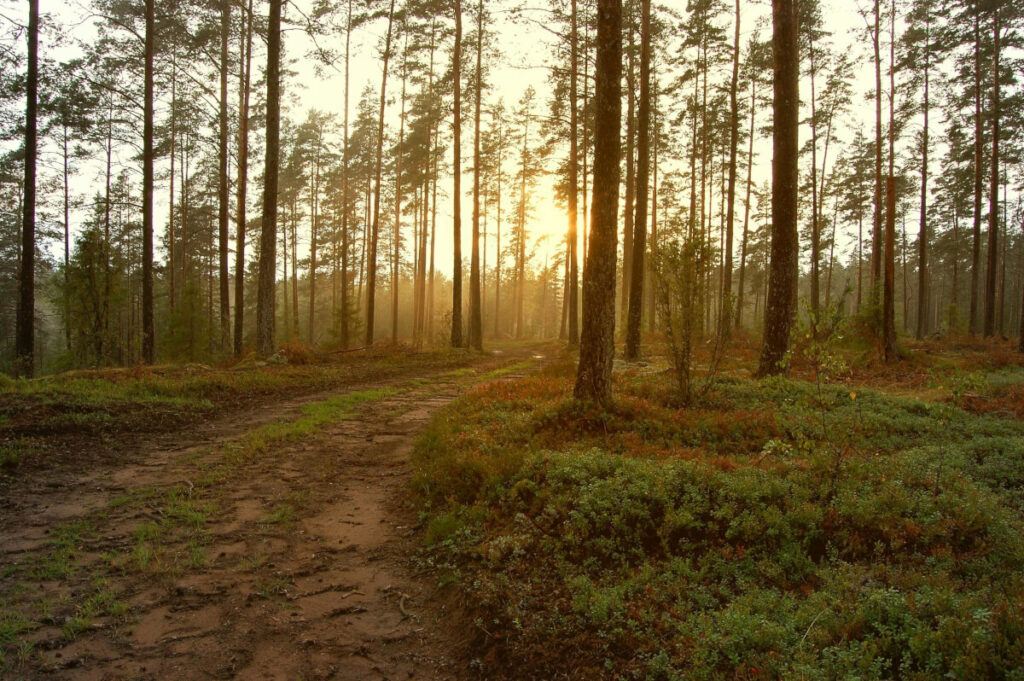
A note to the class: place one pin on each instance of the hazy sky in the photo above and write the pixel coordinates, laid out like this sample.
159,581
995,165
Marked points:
526,50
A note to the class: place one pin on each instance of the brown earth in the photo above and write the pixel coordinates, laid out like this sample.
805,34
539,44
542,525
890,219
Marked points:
304,565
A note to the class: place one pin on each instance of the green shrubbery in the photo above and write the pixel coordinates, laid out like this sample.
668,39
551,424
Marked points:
889,546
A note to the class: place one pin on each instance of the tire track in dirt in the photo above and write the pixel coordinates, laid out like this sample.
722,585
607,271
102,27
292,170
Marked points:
307,569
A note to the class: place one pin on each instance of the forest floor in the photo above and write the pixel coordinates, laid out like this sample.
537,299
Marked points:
851,520
199,523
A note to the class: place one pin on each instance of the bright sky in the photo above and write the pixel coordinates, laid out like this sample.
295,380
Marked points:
526,52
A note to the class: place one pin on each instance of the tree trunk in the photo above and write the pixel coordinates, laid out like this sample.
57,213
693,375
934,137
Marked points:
734,138
244,82
295,268
224,192
973,325
25,332
396,269
815,225
520,241
433,237
314,236
955,288
832,252
746,204
148,330
456,338
574,273
890,351
67,242
476,329
345,188
284,277
597,342
268,235
653,244
876,234
586,142
171,243
629,206
421,299
498,258
780,305
991,273
636,285
371,267
922,239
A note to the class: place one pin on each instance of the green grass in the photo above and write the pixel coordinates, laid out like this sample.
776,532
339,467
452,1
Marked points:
768,533
314,416
102,601
283,515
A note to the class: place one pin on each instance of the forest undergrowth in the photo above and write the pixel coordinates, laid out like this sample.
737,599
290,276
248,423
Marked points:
789,528
68,416
98,534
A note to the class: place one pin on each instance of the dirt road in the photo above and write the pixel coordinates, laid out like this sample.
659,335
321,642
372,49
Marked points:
272,544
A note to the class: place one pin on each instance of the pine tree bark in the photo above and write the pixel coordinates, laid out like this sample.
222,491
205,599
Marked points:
890,350
314,235
922,239
815,224
520,240
629,202
498,259
973,324
67,240
730,217
400,151
780,304
345,209
244,82
597,342
643,144
574,273
268,235
224,191
148,330
991,274
876,232
172,288
25,331
746,204
295,268
652,246
476,329
456,337
371,267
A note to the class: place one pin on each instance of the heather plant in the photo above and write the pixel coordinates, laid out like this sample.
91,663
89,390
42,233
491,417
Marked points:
744,537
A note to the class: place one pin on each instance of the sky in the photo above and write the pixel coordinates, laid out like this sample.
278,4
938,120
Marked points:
527,56
526,52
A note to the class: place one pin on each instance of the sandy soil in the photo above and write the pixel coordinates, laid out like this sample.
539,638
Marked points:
307,565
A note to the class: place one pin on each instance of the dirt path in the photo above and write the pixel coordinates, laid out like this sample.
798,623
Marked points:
296,563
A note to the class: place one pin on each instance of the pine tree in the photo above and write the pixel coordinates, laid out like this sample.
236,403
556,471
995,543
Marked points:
780,305
456,335
597,341
148,155
268,237
639,245
25,345
371,269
